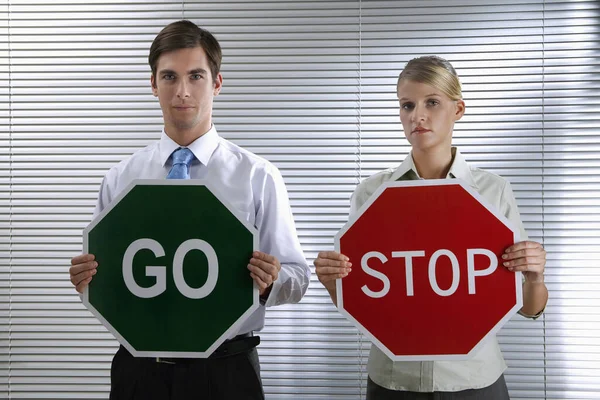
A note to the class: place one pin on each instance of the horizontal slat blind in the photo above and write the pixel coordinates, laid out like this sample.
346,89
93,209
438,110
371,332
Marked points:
496,48
4,201
291,95
80,103
310,86
571,178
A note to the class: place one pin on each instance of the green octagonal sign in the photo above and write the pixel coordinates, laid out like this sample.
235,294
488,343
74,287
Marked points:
172,278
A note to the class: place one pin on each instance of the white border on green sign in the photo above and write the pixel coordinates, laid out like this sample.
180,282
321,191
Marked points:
233,329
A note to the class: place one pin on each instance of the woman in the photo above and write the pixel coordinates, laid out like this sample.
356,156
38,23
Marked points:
430,102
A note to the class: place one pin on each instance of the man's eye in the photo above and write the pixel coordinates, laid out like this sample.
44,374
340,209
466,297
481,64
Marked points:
168,77
196,76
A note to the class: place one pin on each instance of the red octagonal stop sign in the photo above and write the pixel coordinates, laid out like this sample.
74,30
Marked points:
427,281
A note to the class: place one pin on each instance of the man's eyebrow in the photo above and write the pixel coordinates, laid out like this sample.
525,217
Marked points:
191,72
167,71
197,71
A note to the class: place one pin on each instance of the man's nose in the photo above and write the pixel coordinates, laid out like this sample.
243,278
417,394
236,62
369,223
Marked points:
183,89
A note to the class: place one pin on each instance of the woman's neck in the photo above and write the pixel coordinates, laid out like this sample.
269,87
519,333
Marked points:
433,164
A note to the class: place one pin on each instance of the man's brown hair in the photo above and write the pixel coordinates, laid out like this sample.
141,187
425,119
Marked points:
185,34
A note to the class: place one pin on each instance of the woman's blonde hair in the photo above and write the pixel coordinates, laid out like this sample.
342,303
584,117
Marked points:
433,71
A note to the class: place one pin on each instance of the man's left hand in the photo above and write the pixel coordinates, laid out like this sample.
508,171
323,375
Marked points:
528,257
264,269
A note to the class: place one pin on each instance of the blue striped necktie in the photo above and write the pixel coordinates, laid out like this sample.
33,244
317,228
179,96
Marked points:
182,158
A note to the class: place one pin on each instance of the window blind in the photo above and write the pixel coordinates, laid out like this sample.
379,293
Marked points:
4,198
497,50
571,197
309,85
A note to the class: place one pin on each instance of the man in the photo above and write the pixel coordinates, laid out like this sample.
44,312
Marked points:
185,62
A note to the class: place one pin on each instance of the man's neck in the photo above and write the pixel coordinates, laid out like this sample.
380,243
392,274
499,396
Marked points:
185,137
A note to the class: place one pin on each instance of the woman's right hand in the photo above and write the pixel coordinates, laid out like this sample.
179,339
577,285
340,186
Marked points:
329,266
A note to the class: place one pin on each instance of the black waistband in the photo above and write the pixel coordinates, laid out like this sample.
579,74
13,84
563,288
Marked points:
239,344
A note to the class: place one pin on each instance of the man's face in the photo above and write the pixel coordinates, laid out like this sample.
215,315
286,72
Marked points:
185,89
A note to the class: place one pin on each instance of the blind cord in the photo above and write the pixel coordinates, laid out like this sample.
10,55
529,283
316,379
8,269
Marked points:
359,175
543,174
10,202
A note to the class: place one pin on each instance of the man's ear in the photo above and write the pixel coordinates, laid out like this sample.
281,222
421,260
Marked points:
153,84
218,83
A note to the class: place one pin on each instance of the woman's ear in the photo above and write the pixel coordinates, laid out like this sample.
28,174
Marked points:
460,109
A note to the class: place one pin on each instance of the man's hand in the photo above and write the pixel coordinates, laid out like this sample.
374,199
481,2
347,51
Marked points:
264,269
83,268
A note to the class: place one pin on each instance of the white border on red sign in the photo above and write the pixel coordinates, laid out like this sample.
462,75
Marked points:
236,325
430,182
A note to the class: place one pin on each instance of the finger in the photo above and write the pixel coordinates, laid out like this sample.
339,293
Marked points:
524,261
77,279
270,269
265,276
332,277
527,244
536,252
332,270
83,284
327,262
528,268
82,258
514,254
265,257
332,255
262,285
79,268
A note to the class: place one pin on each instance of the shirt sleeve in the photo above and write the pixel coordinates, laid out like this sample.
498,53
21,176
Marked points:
358,198
511,211
277,236
101,203
103,198
508,207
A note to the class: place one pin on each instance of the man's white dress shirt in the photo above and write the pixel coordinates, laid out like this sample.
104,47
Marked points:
251,184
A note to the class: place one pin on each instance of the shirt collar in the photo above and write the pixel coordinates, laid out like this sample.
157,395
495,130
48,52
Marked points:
203,147
405,168
459,169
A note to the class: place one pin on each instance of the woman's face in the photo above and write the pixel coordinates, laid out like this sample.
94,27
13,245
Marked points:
427,115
